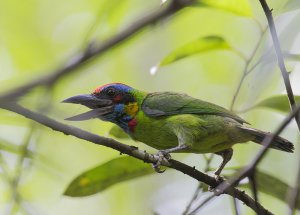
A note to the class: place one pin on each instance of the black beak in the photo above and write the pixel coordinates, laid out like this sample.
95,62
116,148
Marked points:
99,106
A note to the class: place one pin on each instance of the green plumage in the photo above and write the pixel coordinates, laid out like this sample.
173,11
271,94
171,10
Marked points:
169,103
172,122
167,119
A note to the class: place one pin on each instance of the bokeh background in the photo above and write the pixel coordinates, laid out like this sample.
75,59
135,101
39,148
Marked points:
38,36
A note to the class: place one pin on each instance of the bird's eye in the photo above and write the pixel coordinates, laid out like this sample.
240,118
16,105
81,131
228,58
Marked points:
110,92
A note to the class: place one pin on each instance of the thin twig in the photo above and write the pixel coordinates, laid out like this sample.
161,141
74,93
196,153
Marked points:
10,182
286,78
294,196
44,108
236,207
11,148
236,93
17,201
4,167
94,50
253,185
198,189
246,70
280,58
193,199
132,151
293,193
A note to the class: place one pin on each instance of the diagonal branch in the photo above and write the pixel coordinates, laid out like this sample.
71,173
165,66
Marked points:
94,50
134,152
248,170
280,58
247,70
295,193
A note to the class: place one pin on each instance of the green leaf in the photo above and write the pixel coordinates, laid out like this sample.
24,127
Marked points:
279,103
239,7
201,45
272,186
117,132
101,177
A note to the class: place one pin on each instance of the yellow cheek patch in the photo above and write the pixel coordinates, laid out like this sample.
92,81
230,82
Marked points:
131,108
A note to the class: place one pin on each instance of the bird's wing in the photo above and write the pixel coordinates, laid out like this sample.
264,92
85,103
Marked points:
169,103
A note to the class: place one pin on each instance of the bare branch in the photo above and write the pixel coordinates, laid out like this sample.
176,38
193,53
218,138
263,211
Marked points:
236,207
259,156
280,58
132,151
247,71
293,194
199,187
253,185
193,199
94,50
287,83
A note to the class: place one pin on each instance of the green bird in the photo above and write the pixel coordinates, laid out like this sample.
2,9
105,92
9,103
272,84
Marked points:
172,122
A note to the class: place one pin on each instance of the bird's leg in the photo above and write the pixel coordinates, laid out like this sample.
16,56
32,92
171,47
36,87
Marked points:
164,154
175,149
226,155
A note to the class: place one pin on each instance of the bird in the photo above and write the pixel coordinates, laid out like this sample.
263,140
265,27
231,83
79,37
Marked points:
172,122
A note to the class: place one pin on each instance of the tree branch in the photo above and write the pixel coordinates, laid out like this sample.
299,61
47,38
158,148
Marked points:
286,78
280,58
259,156
134,152
246,70
94,50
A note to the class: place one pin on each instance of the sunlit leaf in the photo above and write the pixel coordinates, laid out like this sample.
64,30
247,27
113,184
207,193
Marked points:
101,177
239,7
201,45
117,132
279,103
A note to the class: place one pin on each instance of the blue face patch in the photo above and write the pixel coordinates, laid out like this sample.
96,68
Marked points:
120,87
119,109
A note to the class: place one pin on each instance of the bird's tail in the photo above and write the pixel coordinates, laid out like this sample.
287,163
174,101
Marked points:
278,143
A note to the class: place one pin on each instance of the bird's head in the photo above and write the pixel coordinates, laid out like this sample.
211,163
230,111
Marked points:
110,102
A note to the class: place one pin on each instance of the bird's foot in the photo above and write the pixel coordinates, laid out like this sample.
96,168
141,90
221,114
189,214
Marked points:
162,156
219,180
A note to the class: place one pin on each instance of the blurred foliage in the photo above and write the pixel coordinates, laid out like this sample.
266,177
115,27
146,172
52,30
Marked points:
241,8
202,45
125,168
279,103
101,177
39,36
117,132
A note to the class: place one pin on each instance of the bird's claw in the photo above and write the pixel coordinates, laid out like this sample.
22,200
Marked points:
157,168
219,179
162,155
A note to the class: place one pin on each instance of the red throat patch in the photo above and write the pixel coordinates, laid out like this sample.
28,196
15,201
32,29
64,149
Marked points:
132,124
